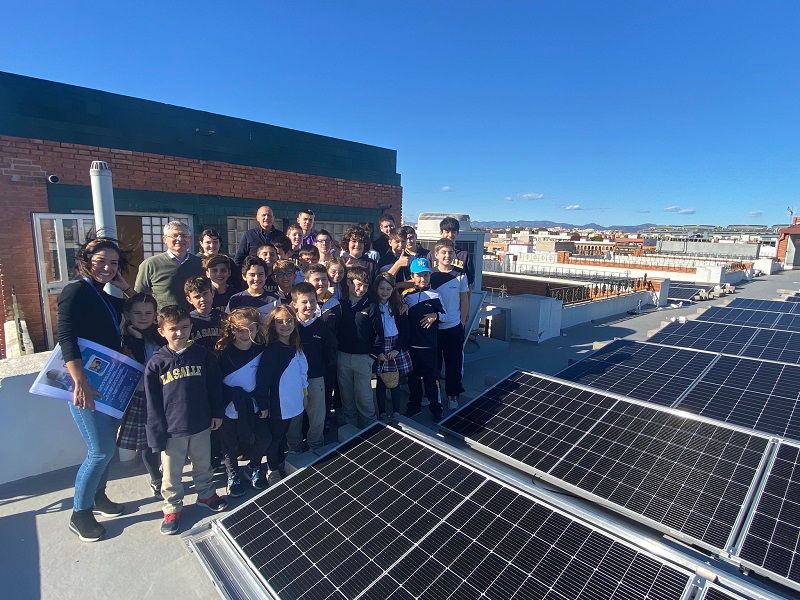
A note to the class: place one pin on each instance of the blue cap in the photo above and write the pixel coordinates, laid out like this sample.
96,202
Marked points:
420,265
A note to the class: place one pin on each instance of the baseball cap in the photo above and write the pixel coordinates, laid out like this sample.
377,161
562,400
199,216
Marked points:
420,265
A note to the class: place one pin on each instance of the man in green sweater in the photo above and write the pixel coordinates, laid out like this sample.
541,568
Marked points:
163,275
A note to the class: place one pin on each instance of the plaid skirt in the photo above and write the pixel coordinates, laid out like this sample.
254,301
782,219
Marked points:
400,363
132,434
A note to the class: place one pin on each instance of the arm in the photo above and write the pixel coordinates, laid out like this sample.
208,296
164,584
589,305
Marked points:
264,377
214,383
464,307
156,417
377,328
142,284
242,252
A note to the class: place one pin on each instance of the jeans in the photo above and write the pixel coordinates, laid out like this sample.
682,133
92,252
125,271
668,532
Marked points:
99,432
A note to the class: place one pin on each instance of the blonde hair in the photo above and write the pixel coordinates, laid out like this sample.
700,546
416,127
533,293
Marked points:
272,332
241,318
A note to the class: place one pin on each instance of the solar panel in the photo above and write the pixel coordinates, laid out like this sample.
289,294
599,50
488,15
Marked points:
388,517
658,374
712,592
703,335
679,474
751,393
740,316
682,293
771,344
768,305
787,322
771,543
793,299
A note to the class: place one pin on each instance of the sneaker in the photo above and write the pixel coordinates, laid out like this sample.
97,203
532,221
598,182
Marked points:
105,507
282,469
452,403
235,487
170,523
214,503
83,524
274,477
396,415
413,411
425,401
155,487
255,477
436,413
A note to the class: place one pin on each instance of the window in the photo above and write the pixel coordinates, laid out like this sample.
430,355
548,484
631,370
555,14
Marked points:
152,230
238,226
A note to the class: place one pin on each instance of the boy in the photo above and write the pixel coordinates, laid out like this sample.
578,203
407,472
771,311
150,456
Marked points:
453,289
411,250
283,246
206,320
319,347
324,243
424,310
309,254
268,254
183,387
218,271
355,241
395,261
295,234
284,273
254,273
305,218
209,242
360,337
448,229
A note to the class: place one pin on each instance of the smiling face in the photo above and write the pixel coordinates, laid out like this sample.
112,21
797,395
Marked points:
209,245
268,254
103,265
384,291
177,241
265,217
411,242
283,323
255,278
323,244
218,274
296,237
445,256
244,333
421,280
449,235
176,334
142,315
356,289
387,227
284,279
305,306
355,248
320,282
336,273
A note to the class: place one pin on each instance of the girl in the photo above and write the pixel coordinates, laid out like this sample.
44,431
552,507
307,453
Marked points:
336,274
395,356
240,348
140,340
281,383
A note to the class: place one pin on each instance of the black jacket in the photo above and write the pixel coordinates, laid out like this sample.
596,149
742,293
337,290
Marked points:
360,328
420,303
206,329
232,359
86,311
252,240
319,346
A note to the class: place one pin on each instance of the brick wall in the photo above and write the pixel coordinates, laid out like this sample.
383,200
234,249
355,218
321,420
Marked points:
25,163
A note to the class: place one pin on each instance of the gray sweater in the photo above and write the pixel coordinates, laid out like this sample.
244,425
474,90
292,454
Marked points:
164,278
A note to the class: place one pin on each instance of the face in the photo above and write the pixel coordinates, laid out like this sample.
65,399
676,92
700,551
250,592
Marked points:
177,240
218,274
421,280
269,255
284,325
209,245
142,315
176,334
396,245
355,248
323,244
244,333
384,291
306,306
387,227
411,241
296,237
265,217
284,279
201,300
307,259
449,235
320,283
445,256
336,273
103,265
306,221
356,288
255,278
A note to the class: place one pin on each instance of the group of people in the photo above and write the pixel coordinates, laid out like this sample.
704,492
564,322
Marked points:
251,355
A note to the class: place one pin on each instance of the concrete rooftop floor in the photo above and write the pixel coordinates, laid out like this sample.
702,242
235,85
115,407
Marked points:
41,559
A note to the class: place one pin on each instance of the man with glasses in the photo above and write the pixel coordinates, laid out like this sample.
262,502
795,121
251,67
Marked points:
164,275
254,238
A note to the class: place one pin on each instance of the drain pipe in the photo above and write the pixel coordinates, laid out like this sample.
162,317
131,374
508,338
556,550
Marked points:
105,221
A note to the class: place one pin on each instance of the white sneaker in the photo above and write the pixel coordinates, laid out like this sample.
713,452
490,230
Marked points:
452,403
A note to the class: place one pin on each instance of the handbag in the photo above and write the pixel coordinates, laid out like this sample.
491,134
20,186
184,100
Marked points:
390,379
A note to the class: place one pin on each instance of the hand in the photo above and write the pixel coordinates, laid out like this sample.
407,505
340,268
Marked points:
83,395
120,283
263,414
393,354
428,320
403,308
402,261
382,357
133,332
216,424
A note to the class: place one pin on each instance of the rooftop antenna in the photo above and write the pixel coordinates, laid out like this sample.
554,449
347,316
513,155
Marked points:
790,211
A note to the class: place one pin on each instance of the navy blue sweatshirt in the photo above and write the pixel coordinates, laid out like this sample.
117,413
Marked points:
420,303
281,381
360,328
206,329
184,392
319,346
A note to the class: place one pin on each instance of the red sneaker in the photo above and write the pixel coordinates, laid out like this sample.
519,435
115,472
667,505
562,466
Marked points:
214,503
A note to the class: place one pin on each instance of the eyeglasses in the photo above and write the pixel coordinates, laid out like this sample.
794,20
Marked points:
323,241
283,274
288,321
179,236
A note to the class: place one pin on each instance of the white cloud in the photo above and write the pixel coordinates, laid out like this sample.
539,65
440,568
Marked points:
447,188
508,199
530,196
672,209
756,213
571,207
642,210
687,211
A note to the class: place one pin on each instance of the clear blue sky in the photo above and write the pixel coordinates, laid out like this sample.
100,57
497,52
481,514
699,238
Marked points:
617,112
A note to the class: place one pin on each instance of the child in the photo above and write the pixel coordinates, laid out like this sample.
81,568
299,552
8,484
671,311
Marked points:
281,382
395,259
395,356
254,273
360,337
424,308
268,254
240,348
285,274
319,348
295,234
453,289
140,339
218,271
411,250
309,255
355,242
209,242
336,275
324,243
283,246
206,320
183,386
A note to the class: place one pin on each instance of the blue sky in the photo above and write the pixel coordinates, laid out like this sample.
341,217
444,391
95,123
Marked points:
617,112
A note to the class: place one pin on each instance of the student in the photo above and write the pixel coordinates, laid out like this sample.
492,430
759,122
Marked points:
268,254
309,254
140,340
355,241
281,382
424,311
218,271
449,228
240,348
453,289
360,337
206,320
395,356
285,274
387,227
319,348
295,234
324,243
395,259
411,250
336,275
368,251
183,386
209,243
305,219
283,245
254,274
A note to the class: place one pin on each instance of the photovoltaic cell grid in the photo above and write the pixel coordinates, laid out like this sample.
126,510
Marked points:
771,344
715,593
768,305
657,374
772,539
787,322
387,517
685,475
755,394
793,299
740,316
702,335
682,293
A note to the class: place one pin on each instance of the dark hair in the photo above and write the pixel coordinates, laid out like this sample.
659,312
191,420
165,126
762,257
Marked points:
200,283
309,250
397,234
325,232
308,270
212,233
358,274
93,245
148,334
253,261
172,314
443,243
282,243
217,259
272,334
237,316
407,230
449,224
355,233
307,211
302,289
384,218
395,301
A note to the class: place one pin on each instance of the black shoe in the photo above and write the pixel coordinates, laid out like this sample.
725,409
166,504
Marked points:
437,415
105,507
85,526
255,477
413,411
235,487
155,486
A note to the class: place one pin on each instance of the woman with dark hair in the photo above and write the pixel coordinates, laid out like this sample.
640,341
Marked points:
86,311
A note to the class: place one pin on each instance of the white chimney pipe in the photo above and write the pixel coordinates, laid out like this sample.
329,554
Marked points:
105,220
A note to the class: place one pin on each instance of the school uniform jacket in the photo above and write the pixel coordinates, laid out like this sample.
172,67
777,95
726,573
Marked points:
319,346
281,380
206,329
461,263
449,286
421,303
360,327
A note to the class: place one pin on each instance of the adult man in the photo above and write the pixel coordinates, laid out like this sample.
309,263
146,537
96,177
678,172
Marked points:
305,218
164,275
387,227
254,238
448,229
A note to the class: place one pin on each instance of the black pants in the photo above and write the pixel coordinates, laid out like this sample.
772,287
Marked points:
450,353
277,443
152,462
423,374
230,443
396,394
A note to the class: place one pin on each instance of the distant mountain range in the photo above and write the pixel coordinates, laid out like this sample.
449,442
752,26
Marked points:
550,224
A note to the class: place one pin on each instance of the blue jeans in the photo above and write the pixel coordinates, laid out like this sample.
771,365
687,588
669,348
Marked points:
99,432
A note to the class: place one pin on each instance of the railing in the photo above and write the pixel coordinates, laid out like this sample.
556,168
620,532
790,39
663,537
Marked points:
599,290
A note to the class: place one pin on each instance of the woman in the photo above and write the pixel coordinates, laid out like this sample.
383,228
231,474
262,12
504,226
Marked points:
86,311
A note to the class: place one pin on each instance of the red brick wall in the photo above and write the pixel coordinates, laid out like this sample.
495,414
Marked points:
25,163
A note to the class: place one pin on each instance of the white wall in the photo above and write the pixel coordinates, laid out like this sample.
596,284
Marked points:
534,318
575,314
767,265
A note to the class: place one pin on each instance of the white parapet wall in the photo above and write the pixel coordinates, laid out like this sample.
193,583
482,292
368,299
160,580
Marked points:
597,310
37,434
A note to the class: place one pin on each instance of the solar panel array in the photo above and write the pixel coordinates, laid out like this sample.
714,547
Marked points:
768,305
682,293
702,335
388,517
